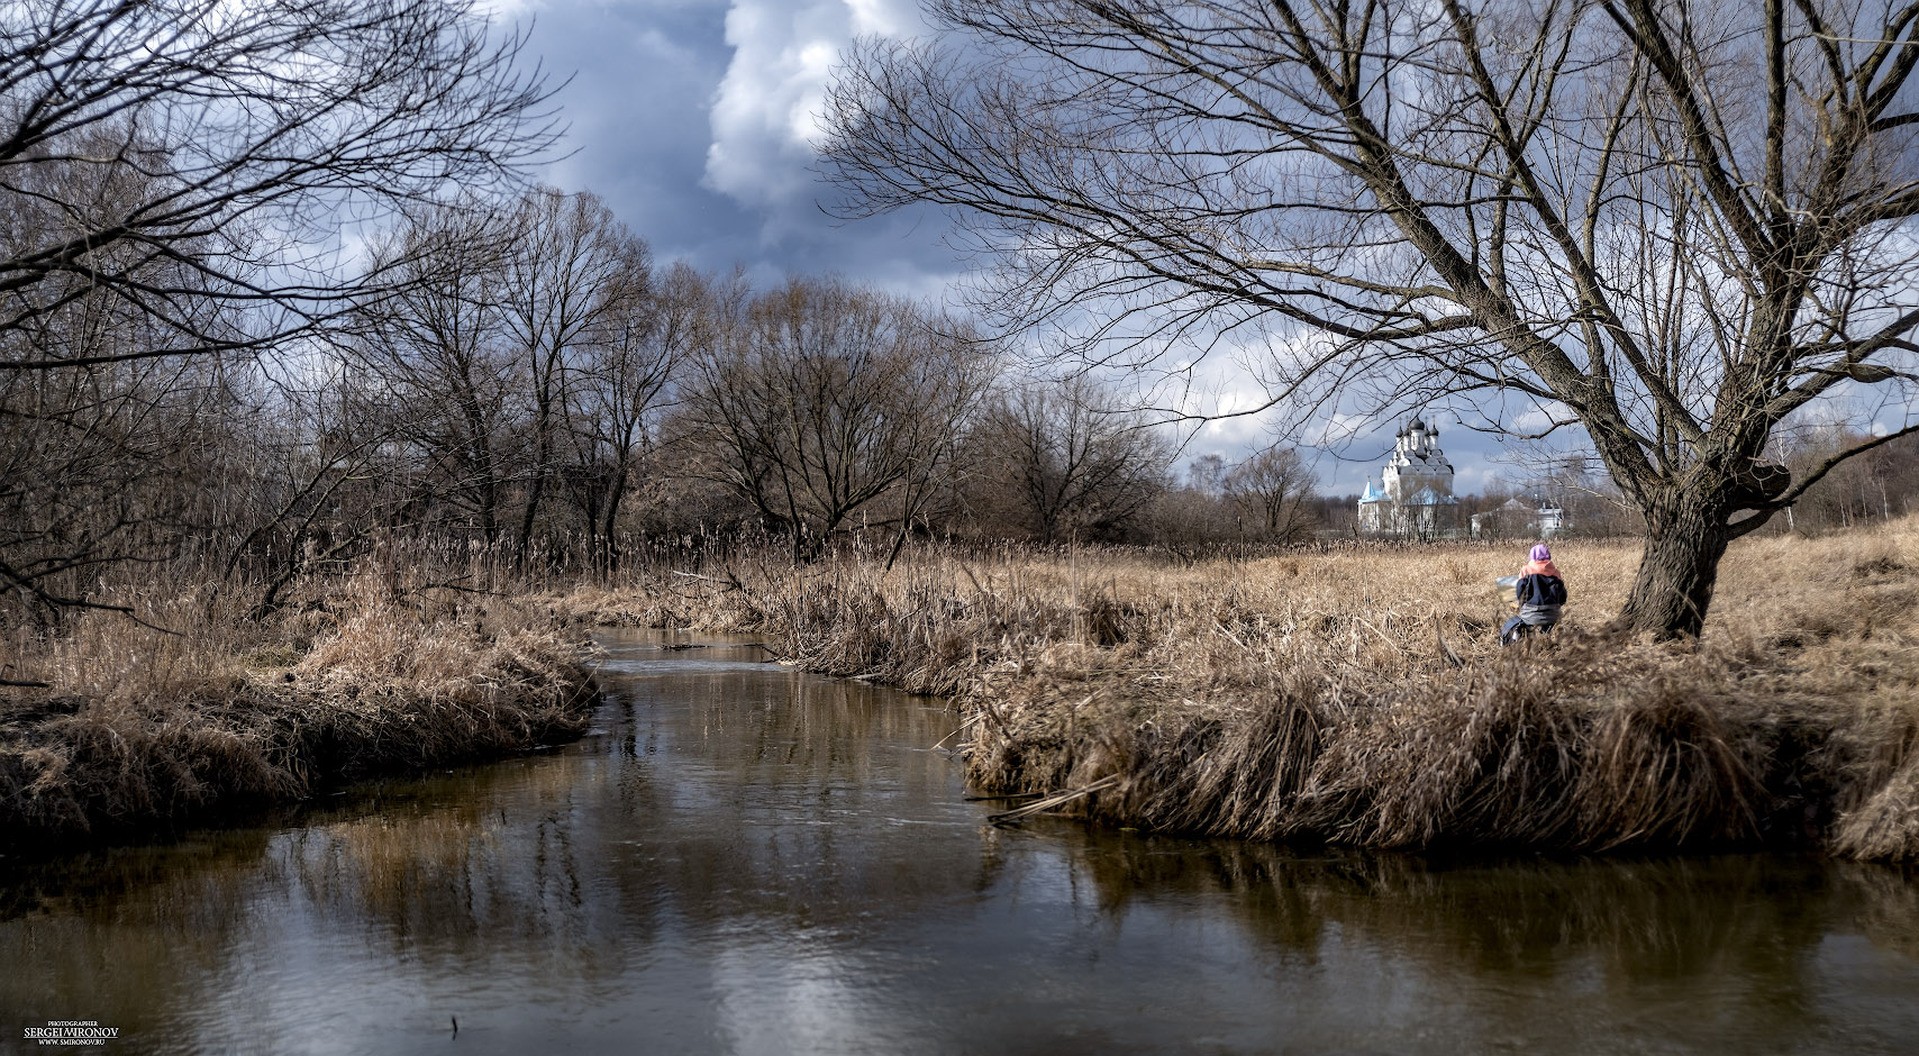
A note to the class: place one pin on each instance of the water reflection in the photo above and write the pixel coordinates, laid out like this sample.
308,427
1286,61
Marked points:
1727,954
742,859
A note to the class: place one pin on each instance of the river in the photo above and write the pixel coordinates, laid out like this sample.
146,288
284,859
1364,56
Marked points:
740,858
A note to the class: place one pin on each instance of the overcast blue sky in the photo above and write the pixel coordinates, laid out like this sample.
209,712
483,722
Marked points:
693,119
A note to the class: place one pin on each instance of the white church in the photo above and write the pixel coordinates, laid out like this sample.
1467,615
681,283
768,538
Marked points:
1414,496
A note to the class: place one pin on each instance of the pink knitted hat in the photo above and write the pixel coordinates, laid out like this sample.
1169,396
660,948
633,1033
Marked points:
1541,553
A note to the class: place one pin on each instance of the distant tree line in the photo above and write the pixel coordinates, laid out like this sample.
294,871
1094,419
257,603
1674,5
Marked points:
1881,484
544,389
275,290
526,382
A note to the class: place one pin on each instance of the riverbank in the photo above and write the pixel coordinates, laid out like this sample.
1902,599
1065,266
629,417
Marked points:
197,712
1358,696
730,829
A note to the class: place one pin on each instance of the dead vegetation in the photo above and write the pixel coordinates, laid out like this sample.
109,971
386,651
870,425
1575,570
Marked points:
137,728
1358,696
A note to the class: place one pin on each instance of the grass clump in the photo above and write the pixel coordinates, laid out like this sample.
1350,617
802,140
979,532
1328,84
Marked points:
138,730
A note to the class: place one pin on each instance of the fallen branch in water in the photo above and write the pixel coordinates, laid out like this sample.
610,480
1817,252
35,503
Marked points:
1057,799
1002,796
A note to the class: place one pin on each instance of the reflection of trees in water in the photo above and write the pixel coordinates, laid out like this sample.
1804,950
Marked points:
1629,922
763,794
436,875
136,929
680,810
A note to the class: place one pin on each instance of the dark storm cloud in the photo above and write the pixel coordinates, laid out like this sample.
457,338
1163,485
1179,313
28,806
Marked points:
692,119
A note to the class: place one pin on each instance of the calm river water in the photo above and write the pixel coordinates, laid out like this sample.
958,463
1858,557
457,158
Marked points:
743,859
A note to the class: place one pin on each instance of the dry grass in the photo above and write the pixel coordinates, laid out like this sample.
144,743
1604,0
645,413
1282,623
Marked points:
1359,697
141,729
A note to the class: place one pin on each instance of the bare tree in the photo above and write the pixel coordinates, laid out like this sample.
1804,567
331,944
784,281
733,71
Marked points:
572,283
625,392
90,465
434,363
236,138
819,401
1068,459
177,179
1673,224
1207,474
298,481
1274,487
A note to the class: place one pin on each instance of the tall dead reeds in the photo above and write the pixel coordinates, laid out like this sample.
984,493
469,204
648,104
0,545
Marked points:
1515,755
140,729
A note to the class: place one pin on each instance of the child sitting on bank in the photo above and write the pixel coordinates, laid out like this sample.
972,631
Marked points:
1538,596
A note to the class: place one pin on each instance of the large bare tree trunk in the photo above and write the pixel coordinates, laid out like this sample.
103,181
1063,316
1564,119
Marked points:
1686,536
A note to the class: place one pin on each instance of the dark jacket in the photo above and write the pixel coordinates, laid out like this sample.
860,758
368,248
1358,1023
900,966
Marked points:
1540,597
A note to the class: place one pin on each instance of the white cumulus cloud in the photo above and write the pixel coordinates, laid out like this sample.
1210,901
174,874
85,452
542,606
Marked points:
765,117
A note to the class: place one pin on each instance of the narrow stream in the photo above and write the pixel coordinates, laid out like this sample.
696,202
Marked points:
744,859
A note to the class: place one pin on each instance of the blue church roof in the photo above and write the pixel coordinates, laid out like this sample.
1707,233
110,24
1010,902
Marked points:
1429,497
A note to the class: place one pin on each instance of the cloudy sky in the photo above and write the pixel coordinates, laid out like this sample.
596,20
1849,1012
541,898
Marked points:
693,119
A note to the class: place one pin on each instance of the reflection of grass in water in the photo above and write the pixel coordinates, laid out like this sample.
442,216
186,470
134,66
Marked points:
398,867
1890,913
169,931
1756,918
135,930
205,874
1360,696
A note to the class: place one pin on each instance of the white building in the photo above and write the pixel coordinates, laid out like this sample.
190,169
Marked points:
1414,496
1519,519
